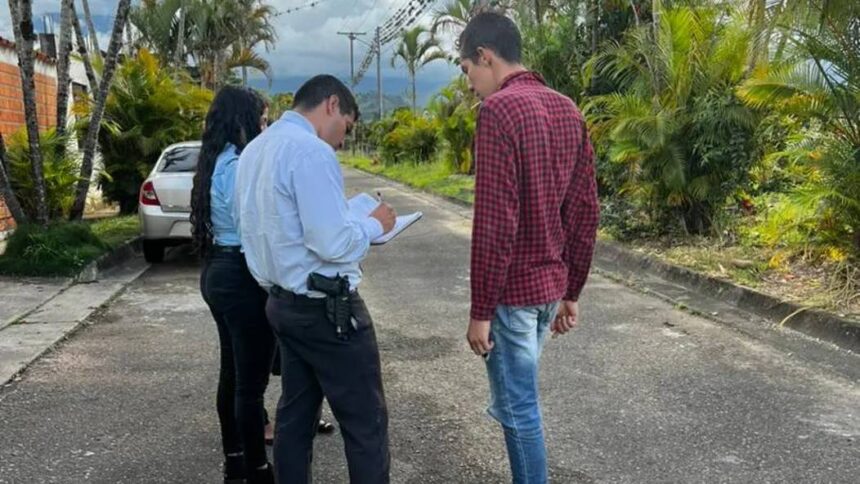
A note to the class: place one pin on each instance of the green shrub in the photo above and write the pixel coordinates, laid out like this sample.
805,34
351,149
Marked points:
682,135
61,173
819,161
454,108
413,139
60,249
149,107
821,212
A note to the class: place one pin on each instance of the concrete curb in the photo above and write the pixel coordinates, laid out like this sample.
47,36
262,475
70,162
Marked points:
38,331
115,257
626,265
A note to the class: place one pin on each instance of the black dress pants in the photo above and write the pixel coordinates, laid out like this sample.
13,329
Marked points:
315,363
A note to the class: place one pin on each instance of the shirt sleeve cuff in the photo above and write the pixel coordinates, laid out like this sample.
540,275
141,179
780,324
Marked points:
373,228
482,313
572,294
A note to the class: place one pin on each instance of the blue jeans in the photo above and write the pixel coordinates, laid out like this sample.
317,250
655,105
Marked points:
518,335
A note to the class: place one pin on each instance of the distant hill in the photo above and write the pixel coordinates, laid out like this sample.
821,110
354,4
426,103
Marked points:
367,104
394,87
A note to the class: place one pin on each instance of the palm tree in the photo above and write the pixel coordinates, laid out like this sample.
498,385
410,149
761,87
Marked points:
6,191
220,35
454,15
675,123
22,14
415,53
822,88
149,107
83,52
91,29
122,11
161,27
212,34
63,57
180,56
252,28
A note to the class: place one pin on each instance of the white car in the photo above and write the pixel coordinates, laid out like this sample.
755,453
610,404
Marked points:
164,206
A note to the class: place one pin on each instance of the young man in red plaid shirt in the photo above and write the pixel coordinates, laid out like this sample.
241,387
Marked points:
534,228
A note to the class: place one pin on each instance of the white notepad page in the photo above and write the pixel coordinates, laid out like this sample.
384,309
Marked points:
362,205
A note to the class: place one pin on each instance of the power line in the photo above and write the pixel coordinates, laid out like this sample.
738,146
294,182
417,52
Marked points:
388,31
290,10
366,14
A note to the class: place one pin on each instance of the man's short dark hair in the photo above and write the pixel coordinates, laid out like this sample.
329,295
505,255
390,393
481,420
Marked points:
492,31
319,88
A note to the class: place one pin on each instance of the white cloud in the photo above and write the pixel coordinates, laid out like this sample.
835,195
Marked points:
307,39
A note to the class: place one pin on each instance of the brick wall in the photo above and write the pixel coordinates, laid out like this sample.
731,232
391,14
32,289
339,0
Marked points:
6,220
12,100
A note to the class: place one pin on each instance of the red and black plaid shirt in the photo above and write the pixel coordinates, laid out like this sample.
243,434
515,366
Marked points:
536,209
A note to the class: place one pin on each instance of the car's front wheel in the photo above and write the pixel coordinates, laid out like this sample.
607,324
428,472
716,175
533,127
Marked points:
153,251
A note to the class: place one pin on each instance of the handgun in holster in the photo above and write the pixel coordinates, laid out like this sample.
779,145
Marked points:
337,305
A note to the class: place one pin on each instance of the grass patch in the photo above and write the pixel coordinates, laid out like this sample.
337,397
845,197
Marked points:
811,282
63,248
116,230
434,176
744,265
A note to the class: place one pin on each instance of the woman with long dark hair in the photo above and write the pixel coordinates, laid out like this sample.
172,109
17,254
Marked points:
237,302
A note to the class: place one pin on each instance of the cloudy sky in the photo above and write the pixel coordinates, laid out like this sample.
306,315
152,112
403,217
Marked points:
308,42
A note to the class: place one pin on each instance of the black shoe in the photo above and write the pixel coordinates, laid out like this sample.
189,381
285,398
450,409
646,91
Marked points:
262,476
325,427
322,428
234,469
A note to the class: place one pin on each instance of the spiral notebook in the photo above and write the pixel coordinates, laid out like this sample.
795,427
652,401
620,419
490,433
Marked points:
362,205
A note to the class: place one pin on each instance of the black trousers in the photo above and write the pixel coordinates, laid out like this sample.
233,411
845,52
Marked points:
247,343
316,364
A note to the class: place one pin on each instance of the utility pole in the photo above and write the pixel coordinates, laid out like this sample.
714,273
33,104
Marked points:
352,37
379,71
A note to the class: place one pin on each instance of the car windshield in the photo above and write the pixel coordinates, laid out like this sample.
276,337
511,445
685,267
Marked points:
181,159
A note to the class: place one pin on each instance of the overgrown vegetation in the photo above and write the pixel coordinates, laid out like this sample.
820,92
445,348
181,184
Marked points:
63,248
726,134
60,170
434,177
149,108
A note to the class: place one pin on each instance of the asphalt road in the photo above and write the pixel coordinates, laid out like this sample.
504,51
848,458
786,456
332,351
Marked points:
641,392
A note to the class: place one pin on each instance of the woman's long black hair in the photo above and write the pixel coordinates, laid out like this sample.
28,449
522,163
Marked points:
234,117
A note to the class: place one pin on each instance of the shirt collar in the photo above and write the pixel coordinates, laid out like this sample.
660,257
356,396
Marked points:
297,119
522,77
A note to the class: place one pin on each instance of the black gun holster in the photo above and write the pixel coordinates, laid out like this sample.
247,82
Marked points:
338,300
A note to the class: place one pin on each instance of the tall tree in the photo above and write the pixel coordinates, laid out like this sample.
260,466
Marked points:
22,26
415,53
120,21
91,29
253,28
180,56
83,52
212,35
6,192
455,14
63,65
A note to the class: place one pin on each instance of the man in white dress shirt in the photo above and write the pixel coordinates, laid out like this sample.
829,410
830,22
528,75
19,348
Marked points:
294,222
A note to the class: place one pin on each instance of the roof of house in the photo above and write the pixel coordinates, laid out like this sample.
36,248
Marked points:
8,44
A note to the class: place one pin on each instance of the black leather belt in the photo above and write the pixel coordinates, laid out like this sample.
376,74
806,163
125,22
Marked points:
227,249
279,292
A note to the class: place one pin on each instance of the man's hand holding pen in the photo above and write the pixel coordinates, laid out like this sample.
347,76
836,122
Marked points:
385,214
